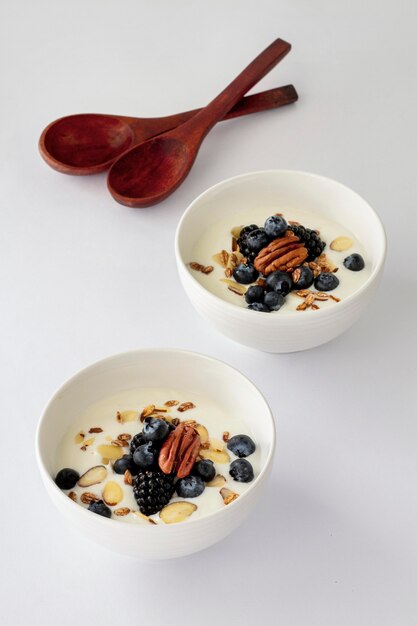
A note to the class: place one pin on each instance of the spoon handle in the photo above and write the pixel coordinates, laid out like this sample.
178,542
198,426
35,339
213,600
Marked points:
262,101
202,122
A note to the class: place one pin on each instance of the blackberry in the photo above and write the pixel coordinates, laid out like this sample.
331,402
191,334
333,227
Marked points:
137,441
310,239
153,490
242,242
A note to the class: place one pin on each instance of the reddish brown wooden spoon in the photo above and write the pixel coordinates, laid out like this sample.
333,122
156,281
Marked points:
89,143
151,171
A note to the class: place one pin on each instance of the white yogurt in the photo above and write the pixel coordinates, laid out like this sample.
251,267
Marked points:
218,237
103,415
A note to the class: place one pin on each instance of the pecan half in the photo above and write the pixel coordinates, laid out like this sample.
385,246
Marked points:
284,254
180,450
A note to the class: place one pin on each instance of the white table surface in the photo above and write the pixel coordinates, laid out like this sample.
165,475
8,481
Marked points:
334,540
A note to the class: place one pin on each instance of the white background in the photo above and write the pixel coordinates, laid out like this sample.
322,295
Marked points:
334,539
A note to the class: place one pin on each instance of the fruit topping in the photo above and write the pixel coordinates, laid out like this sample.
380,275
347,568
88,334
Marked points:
354,262
154,429
146,455
153,490
255,293
67,478
205,469
302,277
241,471
245,273
281,282
274,300
259,306
190,487
326,281
100,508
275,226
241,445
310,239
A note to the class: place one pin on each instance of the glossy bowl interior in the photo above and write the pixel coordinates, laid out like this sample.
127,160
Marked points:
155,368
280,190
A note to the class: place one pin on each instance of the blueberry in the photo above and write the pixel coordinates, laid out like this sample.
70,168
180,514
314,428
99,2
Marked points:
274,300
125,463
245,273
259,306
100,508
190,486
255,293
280,282
306,278
354,262
154,429
205,469
241,445
66,478
326,281
241,471
275,226
145,456
257,239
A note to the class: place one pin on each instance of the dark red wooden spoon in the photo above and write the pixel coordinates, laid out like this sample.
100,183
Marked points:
151,171
89,143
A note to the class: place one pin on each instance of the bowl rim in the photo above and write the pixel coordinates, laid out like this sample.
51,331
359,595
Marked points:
149,528
244,312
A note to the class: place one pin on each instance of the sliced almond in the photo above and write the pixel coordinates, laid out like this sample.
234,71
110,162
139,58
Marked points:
93,476
147,411
215,456
86,443
112,493
217,444
177,512
203,432
142,516
79,437
127,416
236,230
232,285
340,244
228,495
218,481
110,452
105,461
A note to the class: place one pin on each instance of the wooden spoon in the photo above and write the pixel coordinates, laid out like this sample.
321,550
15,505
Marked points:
89,143
151,171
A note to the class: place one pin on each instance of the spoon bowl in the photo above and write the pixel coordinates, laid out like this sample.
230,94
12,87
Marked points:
88,143
88,140
151,171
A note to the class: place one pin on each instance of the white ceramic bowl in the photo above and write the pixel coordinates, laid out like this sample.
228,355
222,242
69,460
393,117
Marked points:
285,190
154,368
